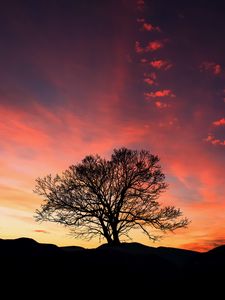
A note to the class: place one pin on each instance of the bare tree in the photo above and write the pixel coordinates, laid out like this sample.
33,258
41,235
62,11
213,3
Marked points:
109,197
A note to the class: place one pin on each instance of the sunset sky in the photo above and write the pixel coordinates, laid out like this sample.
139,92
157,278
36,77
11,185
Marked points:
84,77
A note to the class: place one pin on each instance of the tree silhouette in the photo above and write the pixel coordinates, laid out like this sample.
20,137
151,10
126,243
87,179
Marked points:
108,198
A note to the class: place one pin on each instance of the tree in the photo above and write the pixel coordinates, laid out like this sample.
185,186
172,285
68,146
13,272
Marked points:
108,198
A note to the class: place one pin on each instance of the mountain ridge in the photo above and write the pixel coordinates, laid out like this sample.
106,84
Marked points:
138,264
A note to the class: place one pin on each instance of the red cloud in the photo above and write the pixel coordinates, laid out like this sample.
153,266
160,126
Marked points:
204,245
214,141
149,81
16,131
217,69
161,105
144,60
220,122
138,47
160,93
147,26
195,246
153,46
40,231
150,27
161,64
150,78
212,67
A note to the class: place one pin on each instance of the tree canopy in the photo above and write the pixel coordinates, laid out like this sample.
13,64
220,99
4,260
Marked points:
108,198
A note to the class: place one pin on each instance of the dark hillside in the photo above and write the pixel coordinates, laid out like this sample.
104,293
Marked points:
130,263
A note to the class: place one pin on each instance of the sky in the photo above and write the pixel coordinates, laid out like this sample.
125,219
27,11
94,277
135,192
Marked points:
84,77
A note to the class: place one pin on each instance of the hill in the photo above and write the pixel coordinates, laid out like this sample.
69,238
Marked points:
135,263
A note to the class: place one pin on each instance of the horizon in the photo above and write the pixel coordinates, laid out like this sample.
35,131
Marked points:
106,244
80,78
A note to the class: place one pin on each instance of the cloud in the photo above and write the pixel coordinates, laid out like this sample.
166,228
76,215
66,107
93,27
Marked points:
150,78
214,141
161,105
204,245
143,60
154,45
159,94
220,122
40,231
217,69
151,46
15,130
218,140
212,67
146,26
138,48
161,64
149,27
149,81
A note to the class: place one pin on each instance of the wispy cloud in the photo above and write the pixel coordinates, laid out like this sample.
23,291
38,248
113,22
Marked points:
143,60
149,81
150,78
146,26
214,141
161,105
40,231
211,67
154,45
138,48
159,94
161,64
150,47
220,122
204,245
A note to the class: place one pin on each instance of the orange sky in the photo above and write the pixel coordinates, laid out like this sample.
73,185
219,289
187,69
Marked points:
83,79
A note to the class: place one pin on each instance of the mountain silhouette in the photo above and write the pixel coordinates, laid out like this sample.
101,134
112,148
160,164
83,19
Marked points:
137,264
26,247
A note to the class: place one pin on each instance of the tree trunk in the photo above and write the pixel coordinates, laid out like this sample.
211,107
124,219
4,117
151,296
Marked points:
109,239
116,240
106,233
113,240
